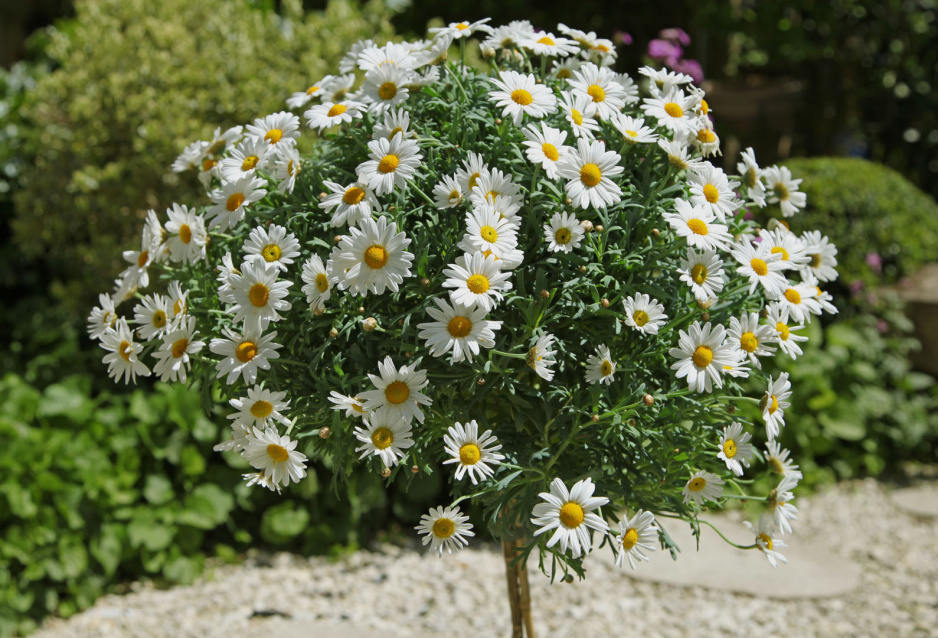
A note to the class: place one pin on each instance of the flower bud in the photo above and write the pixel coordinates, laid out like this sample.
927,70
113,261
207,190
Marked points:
599,228
488,53
369,324
324,432
587,225
655,233
648,400
425,282
408,355
333,333
632,422
414,469
705,316
322,196
764,313
731,409
582,270
568,579
481,381
604,303
595,418
545,294
317,310
386,472
361,309
498,121
569,201
703,305
337,239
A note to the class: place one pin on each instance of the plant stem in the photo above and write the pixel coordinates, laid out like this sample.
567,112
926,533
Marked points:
514,589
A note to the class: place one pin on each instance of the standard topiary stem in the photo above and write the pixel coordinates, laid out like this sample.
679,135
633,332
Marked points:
519,594
525,596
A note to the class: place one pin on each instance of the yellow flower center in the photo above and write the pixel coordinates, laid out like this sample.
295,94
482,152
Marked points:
277,453
729,448
697,484
454,197
792,296
234,202
702,356
376,257
629,539
766,540
217,147
142,258
706,136
312,90
698,226
711,193
394,132
699,274
577,117
185,234
396,392
444,528
605,368
250,162
759,267
262,409
547,41
125,349
271,253
677,162
550,152
770,402
382,438
752,178
462,26
469,454
478,284
778,250
748,342
522,97
590,175
459,327
704,107
489,234
815,261
640,317
387,91
631,133
775,465
159,319
337,109
180,307
258,294
388,163
673,109
473,179
564,74
783,331
208,165
596,92
781,191
353,196
571,515
246,351
273,135
322,282
563,236
179,347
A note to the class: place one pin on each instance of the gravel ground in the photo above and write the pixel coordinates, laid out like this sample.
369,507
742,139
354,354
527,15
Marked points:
402,592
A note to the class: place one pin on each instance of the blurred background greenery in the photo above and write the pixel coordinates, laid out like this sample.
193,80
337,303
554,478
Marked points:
102,484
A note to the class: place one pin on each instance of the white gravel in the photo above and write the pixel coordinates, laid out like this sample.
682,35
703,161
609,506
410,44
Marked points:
403,592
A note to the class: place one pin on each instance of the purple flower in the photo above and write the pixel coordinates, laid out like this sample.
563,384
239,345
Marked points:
664,50
856,286
675,35
882,326
874,261
621,37
690,67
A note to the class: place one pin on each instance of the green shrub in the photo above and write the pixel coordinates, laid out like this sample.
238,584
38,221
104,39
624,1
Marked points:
136,81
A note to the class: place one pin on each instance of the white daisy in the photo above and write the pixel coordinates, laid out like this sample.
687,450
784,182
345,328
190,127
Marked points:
588,171
318,283
173,355
394,122
545,147
393,54
384,436
458,30
397,392
679,155
571,515
353,406
122,353
564,233
257,297
277,129
664,80
179,300
392,163
703,486
781,189
338,89
494,183
777,460
102,317
633,129
275,456
329,114
231,201
696,224
137,275
487,231
637,535
788,245
580,113
823,255
272,245
701,355
371,258
153,315
600,367
260,408
244,353
313,92
250,156
779,503
674,111
548,44
767,540
565,68
477,281
752,340
445,528
703,272
285,168
187,238
472,169
761,266
705,139
459,329
473,453
238,440
448,193
751,175
599,85
222,141
384,88
800,301
773,405
644,313
518,94
506,207
541,357
349,204
710,188
735,448
191,157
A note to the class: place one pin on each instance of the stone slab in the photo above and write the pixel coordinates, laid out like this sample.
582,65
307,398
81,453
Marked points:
810,573
298,627
918,501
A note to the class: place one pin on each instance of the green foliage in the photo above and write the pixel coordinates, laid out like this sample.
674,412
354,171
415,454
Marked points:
136,81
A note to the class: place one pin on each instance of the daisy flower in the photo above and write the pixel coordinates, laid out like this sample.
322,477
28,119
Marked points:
122,351
701,355
541,357
458,30
706,140
507,208
564,233
318,283
600,86
445,528
777,460
352,405
767,540
371,258
664,80
313,92
488,232
800,301
277,129
550,45
637,535
394,122
397,392
257,296
761,267
349,204
102,317
710,188
679,155
275,456
633,129
781,189
579,111
237,442
752,339
191,157
787,339
789,246
173,355
260,408
565,68
773,405
384,88
545,147
153,314
696,224
472,169
137,275
459,329
231,201
273,245
329,114
243,353
518,94
822,253
644,313
179,300
751,175
384,436
286,168
779,503
391,164
492,184
673,111
472,452
448,193
703,486
588,171
338,89
251,155
571,515
735,448
703,272
477,281
187,238
600,367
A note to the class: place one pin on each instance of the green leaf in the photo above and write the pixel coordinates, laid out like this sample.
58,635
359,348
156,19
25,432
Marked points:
158,489
73,556
64,399
191,461
144,531
284,522
106,548
207,507
183,569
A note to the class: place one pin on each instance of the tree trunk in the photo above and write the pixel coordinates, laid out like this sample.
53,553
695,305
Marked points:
519,595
